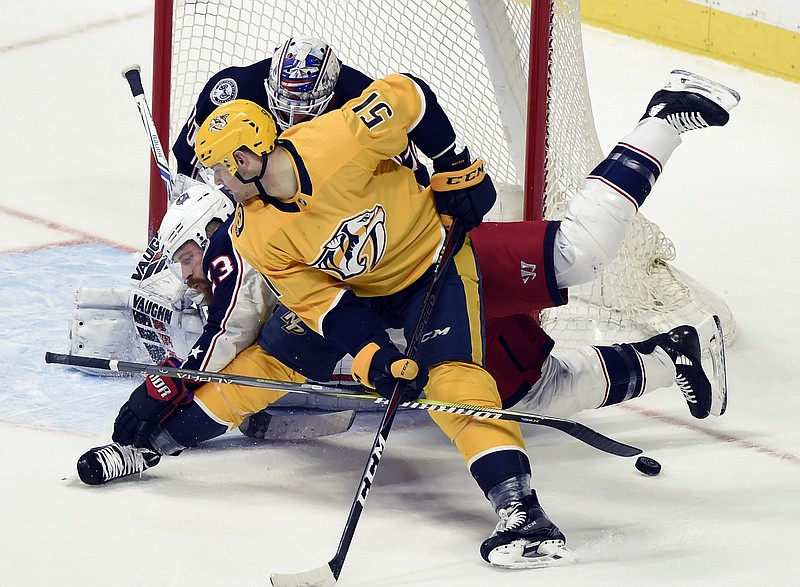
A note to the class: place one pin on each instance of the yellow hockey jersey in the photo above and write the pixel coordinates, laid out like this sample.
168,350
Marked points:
358,221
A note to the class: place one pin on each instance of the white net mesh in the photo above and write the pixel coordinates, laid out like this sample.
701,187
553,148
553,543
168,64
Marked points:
475,55
640,293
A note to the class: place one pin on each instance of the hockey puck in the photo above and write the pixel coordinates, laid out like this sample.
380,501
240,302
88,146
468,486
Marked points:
648,466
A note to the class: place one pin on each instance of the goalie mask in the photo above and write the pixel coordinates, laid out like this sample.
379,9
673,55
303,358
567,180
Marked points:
189,215
301,80
236,124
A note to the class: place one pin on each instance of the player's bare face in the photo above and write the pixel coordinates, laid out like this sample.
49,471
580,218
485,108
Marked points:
190,258
240,191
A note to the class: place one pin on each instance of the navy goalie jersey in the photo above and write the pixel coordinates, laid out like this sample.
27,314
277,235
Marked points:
247,83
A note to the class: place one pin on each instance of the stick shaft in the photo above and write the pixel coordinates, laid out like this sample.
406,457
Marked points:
570,427
132,74
379,444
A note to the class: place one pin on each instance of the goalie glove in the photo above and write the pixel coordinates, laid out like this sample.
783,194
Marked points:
462,189
382,367
149,405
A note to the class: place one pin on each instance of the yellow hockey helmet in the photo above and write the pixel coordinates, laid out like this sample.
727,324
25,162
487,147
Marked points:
231,126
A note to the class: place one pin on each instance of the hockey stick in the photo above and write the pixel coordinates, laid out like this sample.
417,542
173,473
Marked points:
296,426
327,575
575,429
132,73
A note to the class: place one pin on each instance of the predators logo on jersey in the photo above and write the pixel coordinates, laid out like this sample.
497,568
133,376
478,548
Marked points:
356,246
238,220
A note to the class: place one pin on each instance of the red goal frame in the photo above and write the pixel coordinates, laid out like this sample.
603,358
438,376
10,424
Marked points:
535,156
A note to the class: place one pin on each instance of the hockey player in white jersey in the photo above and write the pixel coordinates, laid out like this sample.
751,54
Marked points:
159,417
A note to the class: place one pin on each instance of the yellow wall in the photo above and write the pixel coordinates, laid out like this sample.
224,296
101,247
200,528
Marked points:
699,29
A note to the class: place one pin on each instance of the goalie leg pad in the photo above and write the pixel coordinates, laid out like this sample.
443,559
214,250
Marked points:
102,325
130,324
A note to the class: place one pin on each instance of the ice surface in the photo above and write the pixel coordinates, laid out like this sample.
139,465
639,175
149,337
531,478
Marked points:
724,512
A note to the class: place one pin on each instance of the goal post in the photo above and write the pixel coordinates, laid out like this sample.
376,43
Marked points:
536,127
511,76
161,107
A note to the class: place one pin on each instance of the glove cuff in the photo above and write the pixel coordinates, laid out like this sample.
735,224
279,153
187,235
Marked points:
362,362
469,177
452,161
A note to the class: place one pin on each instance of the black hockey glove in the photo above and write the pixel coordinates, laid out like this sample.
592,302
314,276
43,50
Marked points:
149,404
381,367
462,189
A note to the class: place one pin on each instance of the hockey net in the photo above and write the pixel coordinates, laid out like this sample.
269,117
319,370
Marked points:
476,55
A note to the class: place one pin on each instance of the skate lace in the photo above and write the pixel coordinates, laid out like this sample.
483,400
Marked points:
686,388
119,461
685,121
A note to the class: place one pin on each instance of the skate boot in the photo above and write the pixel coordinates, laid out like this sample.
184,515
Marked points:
112,461
682,344
689,101
525,538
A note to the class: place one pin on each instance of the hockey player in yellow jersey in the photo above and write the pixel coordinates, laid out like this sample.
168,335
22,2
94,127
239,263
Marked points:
347,211
347,240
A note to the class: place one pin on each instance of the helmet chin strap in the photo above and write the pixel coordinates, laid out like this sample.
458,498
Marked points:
256,180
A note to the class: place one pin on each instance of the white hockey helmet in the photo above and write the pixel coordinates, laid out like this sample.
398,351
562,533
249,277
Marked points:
188,216
301,80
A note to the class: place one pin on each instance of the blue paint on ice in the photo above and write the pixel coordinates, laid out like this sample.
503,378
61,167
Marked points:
37,289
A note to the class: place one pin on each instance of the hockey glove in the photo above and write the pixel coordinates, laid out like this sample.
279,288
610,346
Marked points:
462,189
382,367
150,404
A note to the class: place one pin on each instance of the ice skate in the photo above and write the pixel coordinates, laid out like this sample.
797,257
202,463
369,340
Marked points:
102,464
689,101
525,538
686,347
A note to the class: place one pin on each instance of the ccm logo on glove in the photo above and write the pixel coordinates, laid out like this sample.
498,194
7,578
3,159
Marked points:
382,367
442,182
462,190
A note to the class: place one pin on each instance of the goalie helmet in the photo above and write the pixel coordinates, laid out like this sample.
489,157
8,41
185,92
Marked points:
189,215
301,80
231,126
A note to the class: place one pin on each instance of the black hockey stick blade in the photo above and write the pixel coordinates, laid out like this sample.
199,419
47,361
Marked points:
296,426
594,438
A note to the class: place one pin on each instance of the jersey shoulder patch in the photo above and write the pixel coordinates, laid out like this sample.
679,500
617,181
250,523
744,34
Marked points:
224,91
